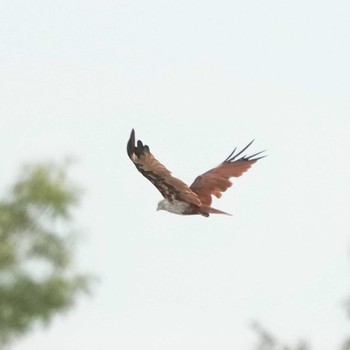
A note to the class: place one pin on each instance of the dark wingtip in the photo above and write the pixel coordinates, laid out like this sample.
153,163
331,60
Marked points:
233,157
138,149
256,154
131,143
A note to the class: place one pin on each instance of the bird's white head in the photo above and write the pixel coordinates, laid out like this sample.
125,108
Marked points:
161,205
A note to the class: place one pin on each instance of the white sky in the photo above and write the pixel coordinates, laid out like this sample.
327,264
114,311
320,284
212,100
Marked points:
195,79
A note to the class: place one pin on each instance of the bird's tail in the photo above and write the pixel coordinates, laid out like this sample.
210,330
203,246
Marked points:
211,210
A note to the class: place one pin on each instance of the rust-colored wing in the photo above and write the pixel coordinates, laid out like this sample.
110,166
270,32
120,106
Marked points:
217,180
170,187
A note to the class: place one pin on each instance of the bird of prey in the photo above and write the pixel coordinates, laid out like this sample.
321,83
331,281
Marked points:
195,199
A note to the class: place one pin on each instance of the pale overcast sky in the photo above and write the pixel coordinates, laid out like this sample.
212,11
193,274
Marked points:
195,79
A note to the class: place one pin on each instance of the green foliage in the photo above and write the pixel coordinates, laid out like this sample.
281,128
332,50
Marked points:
268,342
37,278
346,345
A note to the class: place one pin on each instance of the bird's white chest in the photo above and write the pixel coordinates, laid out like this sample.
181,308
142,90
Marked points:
175,207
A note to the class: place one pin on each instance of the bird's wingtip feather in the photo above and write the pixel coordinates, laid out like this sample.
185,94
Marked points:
131,143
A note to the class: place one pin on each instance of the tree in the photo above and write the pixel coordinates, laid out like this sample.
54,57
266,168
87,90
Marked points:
266,341
36,250
269,342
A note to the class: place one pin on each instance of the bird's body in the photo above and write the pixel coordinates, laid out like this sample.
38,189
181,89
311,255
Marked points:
178,197
175,206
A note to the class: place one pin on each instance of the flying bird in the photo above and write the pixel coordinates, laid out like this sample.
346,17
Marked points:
195,199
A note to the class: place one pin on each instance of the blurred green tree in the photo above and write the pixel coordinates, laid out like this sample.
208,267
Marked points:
267,341
36,250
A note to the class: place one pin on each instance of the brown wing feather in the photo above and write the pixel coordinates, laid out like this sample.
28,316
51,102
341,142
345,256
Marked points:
170,187
217,180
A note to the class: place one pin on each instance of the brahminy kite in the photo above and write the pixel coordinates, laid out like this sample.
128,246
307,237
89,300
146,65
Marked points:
195,199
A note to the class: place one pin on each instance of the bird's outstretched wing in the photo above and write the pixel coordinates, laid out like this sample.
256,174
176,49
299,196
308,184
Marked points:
169,186
217,180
